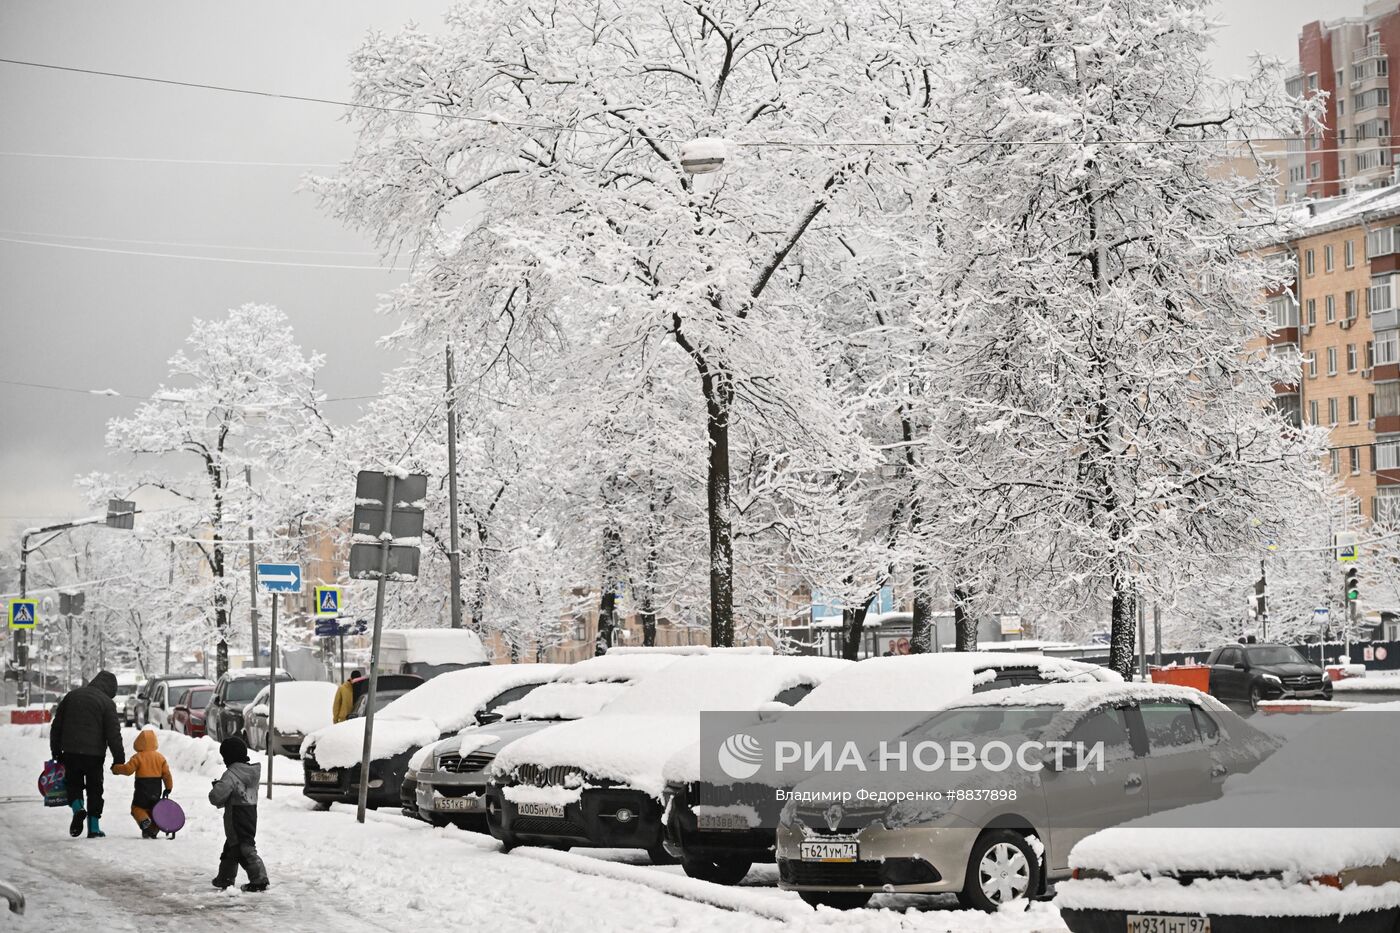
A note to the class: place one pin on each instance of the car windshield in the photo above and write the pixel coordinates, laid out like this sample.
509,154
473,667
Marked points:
198,698
1274,654
244,689
382,698
984,722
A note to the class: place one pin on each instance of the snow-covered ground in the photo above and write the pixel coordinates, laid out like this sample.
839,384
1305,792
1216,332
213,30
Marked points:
330,873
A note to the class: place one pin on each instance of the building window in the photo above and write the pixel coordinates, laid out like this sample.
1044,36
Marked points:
1371,406
1351,357
1387,348
1336,462
1312,312
1379,97
1385,507
1387,454
1332,412
1331,361
1348,250
1327,264
1388,400
1355,460
1351,304
1380,242
1283,312
1380,296
1370,355
1312,412
1312,365
1353,409
1309,264
1330,303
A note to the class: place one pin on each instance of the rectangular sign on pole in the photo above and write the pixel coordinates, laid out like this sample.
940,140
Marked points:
327,628
24,613
280,578
327,601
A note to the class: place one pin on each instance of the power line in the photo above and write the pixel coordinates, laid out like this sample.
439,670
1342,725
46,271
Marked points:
260,249
559,127
166,161
233,259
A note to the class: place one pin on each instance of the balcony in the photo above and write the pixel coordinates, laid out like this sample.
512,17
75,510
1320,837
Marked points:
1367,52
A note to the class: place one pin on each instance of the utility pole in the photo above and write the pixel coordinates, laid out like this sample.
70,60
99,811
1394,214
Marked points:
252,565
454,556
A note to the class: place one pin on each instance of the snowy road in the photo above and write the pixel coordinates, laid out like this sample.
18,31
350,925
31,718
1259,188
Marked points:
329,873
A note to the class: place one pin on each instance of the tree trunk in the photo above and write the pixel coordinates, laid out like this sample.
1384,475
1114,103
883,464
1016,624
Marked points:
607,622
964,622
646,598
852,632
922,631
1122,635
719,397
481,578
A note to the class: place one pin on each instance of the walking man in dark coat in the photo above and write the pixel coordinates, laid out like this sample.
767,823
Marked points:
84,727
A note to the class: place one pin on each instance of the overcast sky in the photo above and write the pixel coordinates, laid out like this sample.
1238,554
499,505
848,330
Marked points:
99,320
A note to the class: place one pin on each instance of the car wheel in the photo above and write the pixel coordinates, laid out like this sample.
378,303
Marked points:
659,856
1002,868
717,871
838,900
321,806
1255,696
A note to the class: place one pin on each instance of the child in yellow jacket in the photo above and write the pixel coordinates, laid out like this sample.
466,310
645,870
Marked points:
151,769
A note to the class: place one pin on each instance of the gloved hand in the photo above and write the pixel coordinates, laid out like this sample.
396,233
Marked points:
114,769
165,793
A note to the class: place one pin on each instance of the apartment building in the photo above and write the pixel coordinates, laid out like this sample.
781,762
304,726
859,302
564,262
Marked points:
1341,316
1348,59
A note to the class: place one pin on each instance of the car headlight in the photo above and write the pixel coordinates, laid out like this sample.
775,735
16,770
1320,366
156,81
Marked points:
788,814
428,764
1270,678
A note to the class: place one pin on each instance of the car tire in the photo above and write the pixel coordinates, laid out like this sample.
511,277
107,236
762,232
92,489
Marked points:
837,900
321,806
1001,868
727,871
1255,697
659,856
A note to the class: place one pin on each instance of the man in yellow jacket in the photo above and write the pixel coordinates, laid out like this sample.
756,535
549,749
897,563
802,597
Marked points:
345,698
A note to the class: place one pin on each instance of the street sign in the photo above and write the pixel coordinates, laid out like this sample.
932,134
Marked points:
327,600
280,578
24,613
364,562
1345,543
1011,625
71,603
370,491
121,513
327,628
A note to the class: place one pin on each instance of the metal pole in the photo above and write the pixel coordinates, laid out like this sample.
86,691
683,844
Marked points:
252,567
342,654
1142,640
167,654
22,635
454,556
1157,633
384,540
272,694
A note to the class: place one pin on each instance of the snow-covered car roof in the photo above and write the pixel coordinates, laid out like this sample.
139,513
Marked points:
302,705
691,649
446,703
244,673
631,739
1340,771
585,687
916,683
433,646
1083,696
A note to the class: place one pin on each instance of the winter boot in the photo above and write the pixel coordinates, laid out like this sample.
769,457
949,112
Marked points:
94,830
221,884
148,829
253,887
75,828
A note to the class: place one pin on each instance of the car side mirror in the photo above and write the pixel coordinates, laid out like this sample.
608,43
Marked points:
1242,666
486,717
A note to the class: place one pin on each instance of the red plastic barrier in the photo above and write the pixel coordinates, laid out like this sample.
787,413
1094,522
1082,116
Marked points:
29,717
1196,676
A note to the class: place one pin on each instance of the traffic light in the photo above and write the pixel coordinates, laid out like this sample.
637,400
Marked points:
1350,586
1261,599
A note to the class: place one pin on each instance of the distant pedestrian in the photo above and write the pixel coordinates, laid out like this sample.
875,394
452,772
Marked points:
84,728
152,771
344,702
236,793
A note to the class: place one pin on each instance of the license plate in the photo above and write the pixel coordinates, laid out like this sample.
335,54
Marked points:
472,802
325,777
553,811
1163,923
847,852
710,821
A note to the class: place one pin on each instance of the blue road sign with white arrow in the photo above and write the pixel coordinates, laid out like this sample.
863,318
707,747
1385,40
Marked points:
280,578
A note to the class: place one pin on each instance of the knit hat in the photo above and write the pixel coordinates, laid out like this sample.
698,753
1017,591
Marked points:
233,750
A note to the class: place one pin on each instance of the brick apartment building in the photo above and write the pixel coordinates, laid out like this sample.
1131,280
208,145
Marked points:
1349,59
1342,319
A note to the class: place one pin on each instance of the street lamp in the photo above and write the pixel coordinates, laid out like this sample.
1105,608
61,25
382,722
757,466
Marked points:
703,155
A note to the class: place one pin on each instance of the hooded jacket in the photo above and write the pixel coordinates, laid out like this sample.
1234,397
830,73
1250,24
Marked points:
147,763
86,721
238,786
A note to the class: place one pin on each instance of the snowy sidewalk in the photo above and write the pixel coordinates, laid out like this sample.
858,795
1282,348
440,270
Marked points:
330,873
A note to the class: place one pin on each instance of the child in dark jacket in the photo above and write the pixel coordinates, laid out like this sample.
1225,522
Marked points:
236,793
151,770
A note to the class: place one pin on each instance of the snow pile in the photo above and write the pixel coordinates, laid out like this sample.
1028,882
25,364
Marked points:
302,705
431,646
631,739
448,703
1263,897
691,650
244,673
1371,681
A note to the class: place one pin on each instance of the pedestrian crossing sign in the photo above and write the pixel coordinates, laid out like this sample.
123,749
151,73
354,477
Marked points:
327,601
24,613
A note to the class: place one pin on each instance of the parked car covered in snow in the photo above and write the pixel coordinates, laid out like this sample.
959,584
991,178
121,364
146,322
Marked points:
992,835
450,781
166,696
223,719
599,781
303,707
1310,840
136,710
719,831
436,709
